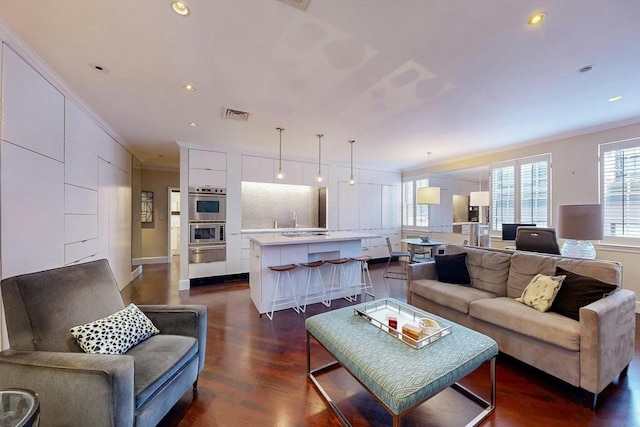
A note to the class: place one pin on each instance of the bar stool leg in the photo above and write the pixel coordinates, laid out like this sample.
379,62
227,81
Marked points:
325,300
276,291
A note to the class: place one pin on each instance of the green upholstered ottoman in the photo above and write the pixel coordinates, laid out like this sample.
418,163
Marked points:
397,375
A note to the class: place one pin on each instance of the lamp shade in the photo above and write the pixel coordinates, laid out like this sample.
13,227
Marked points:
479,198
580,222
428,196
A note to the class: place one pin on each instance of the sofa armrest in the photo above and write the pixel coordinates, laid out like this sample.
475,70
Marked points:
422,270
97,389
607,339
186,320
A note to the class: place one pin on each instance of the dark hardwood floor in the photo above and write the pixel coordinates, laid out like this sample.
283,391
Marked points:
255,375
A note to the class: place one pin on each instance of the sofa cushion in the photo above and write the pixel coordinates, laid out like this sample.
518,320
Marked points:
116,333
158,359
525,265
549,327
455,297
488,268
577,291
453,269
541,292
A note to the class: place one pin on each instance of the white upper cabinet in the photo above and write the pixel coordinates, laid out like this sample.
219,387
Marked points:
370,206
112,152
209,160
292,172
310,174
82,130
258,169
33,110
348,206
80,166
391,206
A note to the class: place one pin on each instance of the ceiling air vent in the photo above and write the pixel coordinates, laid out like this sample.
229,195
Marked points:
298,4
228,113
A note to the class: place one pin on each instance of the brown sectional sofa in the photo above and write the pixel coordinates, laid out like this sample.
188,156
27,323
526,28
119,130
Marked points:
588,353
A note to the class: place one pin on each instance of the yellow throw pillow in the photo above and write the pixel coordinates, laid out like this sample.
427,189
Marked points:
541,291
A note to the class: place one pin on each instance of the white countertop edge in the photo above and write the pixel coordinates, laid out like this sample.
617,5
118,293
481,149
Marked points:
335,236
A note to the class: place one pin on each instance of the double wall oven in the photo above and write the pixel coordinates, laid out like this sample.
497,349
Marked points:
207,221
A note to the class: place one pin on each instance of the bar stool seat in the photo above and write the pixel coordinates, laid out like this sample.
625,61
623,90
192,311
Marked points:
338,268
278,300
363,285
320,289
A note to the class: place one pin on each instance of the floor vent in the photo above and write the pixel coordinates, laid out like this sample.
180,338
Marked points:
230,114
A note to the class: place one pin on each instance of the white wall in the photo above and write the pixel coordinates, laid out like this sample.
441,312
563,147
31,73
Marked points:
574,180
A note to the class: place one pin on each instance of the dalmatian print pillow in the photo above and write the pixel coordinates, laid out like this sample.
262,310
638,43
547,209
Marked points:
115,334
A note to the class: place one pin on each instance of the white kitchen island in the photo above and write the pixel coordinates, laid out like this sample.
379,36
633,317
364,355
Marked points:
294,248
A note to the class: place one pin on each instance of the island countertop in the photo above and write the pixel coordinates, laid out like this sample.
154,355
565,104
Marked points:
295,238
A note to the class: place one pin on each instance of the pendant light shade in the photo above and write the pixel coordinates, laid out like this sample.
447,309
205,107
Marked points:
319,178
351,179
479,198
428,195
280,171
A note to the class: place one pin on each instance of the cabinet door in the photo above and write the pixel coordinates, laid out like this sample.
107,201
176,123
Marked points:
370,206
81,129
208,178
348,206
310,174
234,253
33,110
32,211
257,169
80,227
211,160
80,166
391,206
79,200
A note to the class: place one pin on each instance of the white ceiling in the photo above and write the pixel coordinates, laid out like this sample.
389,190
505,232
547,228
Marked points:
457,78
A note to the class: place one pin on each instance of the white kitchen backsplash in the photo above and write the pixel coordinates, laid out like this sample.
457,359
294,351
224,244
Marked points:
264,204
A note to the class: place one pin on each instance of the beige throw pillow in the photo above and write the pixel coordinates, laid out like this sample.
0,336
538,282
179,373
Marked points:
541,291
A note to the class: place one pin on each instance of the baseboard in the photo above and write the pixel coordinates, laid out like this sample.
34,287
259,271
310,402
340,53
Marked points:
637,307
135,273
152,260
184,285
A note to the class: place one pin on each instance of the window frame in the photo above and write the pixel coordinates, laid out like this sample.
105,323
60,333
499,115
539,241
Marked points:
517,164
603,149
419,214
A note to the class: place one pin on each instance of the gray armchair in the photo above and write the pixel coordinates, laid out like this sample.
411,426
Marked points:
135,388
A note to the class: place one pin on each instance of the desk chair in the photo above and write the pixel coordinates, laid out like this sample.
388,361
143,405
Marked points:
395,274
537,239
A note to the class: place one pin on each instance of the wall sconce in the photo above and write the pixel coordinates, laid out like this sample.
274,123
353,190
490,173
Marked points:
319,177
351,179
280,172
428,195
579,224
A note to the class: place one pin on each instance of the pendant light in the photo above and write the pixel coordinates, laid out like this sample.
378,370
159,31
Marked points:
280,172
351,179
428,195
479,198
319,178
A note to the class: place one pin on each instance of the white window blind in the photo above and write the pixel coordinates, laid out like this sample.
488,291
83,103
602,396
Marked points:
534,193
620,186
412,213
422,211
503,196
408,203
520,192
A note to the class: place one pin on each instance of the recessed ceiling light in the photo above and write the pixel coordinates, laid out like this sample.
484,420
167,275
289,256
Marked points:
99,68
193,124
180,8
536,18
615,98
586,68
189,88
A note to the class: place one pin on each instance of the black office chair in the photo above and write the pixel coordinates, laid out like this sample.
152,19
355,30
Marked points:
537,239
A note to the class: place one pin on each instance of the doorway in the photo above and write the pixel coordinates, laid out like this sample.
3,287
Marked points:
174,223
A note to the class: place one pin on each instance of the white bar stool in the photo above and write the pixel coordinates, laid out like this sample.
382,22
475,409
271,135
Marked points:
338,268
279,301
365,286
321,291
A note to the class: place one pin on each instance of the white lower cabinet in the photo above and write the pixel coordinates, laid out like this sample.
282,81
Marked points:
83,251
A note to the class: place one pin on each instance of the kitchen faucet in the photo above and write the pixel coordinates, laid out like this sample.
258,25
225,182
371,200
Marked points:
295,220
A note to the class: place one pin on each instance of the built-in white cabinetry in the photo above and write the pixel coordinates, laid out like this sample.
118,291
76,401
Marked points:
32,211
207,168
112,152
80,166
258,169
370,199
310,174
234,250
348,206
82,130
391,206
33,110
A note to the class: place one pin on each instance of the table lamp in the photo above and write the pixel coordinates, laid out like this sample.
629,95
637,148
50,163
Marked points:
579,224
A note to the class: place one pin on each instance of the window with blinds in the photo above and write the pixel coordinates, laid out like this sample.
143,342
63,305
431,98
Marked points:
620,188
412,213
520,192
